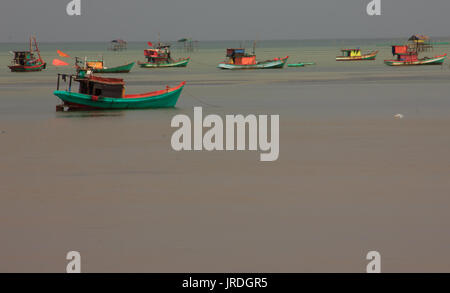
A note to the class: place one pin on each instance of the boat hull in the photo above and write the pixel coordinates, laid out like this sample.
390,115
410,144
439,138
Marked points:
296,65
119,69
180,63
25,68
160,99
438,60
366,57
272,64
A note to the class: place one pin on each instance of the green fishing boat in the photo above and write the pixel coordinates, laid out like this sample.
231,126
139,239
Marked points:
98,66
238,59
99,93
174,63
118,69
28,61
301,64
161,57
408,55
296,65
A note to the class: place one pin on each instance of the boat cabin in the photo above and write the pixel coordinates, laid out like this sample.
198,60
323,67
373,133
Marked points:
158,55
85,64
101,86
23,58
420,43
96,86
239,57
404,53
95,64
351,52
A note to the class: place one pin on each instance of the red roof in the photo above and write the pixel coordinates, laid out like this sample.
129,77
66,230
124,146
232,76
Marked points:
104,80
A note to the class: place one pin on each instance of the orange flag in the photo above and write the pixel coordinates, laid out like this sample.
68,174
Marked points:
62,54
57,62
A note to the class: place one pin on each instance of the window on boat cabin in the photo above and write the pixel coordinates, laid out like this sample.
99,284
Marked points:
108,90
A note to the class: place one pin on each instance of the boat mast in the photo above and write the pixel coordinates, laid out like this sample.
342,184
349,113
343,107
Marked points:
254,43
36,47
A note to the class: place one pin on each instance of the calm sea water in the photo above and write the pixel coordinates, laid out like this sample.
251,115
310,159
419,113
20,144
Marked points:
350,177
327,83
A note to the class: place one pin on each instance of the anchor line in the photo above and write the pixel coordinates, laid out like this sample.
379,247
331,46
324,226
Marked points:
200,100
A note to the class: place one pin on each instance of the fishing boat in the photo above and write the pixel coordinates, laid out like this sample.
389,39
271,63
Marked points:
408,55
405,58
296,65
239,59
28,61
356,55
301,64
100,93
98,66
161,57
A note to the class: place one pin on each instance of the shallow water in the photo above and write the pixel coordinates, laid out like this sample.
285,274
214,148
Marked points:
350,178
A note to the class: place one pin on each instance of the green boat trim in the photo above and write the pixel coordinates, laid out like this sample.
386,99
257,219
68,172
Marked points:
118,69
296,65
301,64
178,63
39,66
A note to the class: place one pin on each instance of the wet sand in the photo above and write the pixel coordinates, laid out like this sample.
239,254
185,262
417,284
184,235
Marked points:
350,178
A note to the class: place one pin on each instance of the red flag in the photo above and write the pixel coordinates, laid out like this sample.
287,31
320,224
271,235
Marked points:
62,54
57,62
150,44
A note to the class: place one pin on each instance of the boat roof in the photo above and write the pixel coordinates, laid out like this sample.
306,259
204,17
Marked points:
104,80
418,37
345,50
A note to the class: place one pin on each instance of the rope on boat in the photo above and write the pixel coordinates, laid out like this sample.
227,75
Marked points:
200,100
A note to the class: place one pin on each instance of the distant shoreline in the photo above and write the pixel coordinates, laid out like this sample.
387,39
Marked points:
404,37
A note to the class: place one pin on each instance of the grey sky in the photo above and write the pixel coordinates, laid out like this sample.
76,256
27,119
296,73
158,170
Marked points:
139,20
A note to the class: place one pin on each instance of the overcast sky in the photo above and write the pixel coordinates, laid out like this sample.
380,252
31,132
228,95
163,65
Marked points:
141,20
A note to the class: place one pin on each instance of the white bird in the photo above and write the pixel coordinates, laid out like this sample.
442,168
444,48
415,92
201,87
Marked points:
399,116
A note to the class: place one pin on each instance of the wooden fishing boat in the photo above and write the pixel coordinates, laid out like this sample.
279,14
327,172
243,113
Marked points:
98,66
407,55
296,65
237,59
109,93
411,61
161,57
356,55
301,64
28,61
173,63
